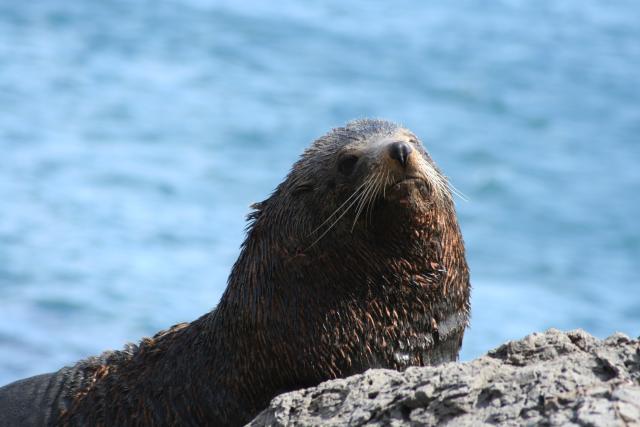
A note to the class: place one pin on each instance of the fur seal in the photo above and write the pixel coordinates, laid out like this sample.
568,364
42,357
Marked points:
355,261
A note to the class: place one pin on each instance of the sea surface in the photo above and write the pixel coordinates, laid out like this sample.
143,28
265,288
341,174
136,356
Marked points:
134,135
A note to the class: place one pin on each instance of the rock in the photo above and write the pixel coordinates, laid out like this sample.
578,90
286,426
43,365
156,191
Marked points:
551,378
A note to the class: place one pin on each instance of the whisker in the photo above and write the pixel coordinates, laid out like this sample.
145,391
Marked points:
373,193
439,183
373,198
336,221
457,192
363,199
338,208
386,184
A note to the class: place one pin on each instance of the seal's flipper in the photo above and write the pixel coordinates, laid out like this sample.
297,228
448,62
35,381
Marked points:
31,401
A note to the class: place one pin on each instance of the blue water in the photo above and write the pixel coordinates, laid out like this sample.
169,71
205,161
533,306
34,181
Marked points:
135,134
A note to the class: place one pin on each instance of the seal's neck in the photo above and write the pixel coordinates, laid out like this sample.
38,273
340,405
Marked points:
294,317
385,295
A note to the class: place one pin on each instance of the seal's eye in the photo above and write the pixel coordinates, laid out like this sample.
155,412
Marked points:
347,164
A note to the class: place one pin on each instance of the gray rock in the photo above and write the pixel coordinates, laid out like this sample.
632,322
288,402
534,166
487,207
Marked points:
552,378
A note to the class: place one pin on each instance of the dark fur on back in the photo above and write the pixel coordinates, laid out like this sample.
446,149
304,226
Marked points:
388,290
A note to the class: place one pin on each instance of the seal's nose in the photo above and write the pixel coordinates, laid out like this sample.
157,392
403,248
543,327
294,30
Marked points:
400,151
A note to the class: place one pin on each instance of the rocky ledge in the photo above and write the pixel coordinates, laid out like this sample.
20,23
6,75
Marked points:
551,378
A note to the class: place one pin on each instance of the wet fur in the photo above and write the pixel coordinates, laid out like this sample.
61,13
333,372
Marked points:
390,289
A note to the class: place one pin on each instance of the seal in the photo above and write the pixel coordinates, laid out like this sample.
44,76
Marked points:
355,261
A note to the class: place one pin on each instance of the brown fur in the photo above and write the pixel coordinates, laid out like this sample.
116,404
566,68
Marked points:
391,291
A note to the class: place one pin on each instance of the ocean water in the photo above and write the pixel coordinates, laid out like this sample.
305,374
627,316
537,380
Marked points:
135,134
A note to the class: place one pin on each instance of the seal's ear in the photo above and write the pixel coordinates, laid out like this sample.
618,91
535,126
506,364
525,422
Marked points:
256,212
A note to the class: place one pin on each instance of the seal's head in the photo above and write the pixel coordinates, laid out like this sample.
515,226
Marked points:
358,178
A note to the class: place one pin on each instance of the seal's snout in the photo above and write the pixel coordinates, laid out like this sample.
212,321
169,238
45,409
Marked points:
400,151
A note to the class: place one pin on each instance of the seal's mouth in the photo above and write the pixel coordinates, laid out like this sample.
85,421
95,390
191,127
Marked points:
406,181
409,188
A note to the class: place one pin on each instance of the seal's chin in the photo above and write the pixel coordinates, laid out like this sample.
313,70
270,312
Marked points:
409,190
